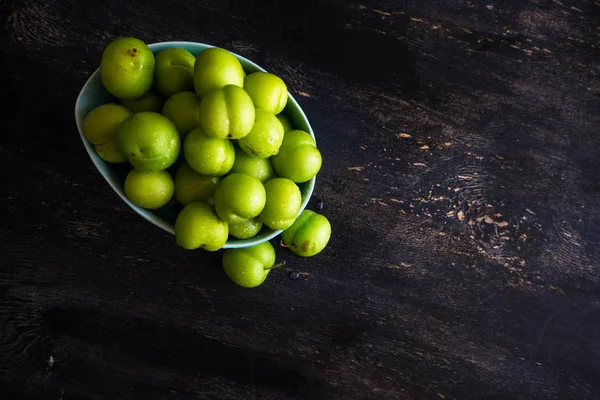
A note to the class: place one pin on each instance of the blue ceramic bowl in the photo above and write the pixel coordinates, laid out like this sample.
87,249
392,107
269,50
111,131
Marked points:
94,94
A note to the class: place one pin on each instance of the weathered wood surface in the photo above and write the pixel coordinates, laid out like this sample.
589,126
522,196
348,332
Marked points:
462,156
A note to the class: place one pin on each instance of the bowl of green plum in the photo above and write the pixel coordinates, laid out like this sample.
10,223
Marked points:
200,141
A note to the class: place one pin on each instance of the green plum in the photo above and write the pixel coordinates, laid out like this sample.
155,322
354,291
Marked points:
267,91
109,152
148,102
248,267
308,235
266,136
227,112
174,71
239,197
206,155
127,68
183,109
191,186
150,141
215,68
247,229
283,203
102,123
298,158
149,189
198,226
285,122
260,168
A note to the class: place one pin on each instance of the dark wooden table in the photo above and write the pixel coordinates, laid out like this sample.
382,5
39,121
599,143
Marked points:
461,142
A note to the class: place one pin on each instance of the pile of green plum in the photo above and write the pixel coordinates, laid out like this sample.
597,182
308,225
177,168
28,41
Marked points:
236,161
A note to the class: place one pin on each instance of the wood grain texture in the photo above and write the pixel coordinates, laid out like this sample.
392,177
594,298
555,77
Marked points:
461,148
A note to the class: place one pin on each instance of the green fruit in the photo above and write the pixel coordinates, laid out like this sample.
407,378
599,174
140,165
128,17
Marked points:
149,189
239,197
247,229
282,205
102,123
190,186
198,226
174,71
249,266
149,140
308,235
110,152
285,122
227,112
266,136
215,68
298,158
127,68
267,91
206,155
148,102
260,168
183,109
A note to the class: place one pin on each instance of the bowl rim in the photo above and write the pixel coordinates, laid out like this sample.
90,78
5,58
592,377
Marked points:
160,222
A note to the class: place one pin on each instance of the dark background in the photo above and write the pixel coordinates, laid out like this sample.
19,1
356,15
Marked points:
461,147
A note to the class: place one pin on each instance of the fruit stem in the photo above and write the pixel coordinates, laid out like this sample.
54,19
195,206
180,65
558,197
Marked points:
283,244
281,264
